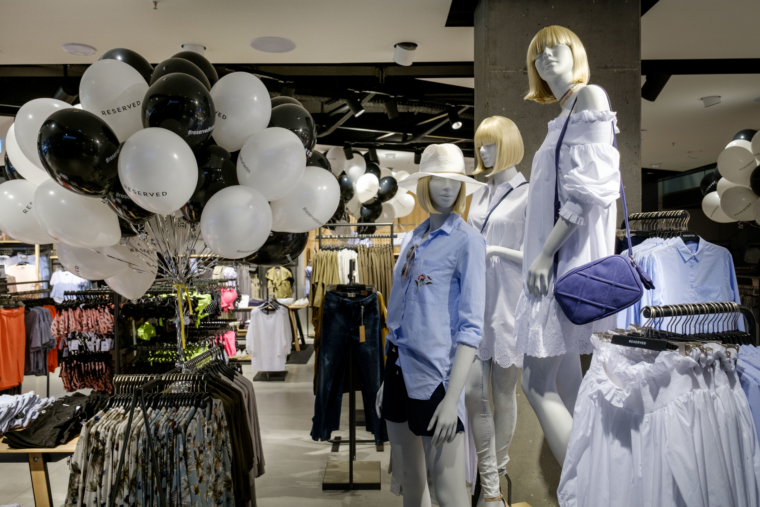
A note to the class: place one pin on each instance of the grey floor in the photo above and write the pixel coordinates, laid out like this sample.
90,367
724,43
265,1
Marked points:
295,464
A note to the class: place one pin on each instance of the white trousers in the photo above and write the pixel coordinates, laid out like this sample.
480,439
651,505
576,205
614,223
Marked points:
492,432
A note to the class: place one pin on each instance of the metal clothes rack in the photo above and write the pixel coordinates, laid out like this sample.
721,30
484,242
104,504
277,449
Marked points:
320,236
660,220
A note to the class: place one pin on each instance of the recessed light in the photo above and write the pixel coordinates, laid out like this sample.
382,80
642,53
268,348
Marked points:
656,166
273,44
390,155
712,100
79,49
194,47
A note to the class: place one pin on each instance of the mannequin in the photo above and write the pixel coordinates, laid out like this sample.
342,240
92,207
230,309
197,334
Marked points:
498,212
558,71
424,255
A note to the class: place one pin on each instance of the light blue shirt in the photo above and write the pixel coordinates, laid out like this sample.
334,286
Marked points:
440,305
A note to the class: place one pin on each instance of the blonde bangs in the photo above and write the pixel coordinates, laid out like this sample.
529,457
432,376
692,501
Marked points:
506,136
423,197
548,37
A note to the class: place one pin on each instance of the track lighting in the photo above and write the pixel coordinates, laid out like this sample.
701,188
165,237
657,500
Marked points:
417,157
403,53
371,156
348,152
391,108
355,106
454,120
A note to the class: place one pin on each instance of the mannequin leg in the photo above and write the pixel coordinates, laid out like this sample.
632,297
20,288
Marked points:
539,382
407,447
504,382
569,378
476,399
446,465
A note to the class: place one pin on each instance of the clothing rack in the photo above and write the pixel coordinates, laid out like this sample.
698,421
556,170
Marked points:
321,235
657,220
116,301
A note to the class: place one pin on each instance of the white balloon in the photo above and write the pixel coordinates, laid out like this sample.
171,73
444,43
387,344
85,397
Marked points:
401,176
74,219
243,107
310,205
29,119
367,187
738,203
354,206
724,184
236,221
388,214
114,91
135,281
356,167
756,146
742,143
17,217
384,171
711,208
736,165
87,263
271,162
403,205
158,170
337,160
23,165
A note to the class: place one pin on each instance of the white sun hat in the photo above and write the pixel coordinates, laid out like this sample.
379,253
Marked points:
443,161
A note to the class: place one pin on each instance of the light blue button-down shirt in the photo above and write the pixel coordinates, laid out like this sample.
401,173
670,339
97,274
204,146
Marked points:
440,305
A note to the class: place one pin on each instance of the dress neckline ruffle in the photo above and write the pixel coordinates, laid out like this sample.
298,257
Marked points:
588,116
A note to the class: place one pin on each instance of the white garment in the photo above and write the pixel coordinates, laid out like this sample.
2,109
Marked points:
268,339
23,273
660,430
505,228
589,185
344,259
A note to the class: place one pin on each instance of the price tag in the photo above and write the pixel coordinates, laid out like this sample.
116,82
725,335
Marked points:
105,345
361,334
73,345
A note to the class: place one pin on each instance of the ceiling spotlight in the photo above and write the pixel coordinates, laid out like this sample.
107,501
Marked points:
711,100
403,53
195,48
656,166
417,157
454,120
79,49
371,156
391,108
273,44
288,91
390,155
348,152
355,106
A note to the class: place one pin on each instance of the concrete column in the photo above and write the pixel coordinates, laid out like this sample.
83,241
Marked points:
610,32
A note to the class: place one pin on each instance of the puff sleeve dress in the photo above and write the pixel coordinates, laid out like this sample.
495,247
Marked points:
589,172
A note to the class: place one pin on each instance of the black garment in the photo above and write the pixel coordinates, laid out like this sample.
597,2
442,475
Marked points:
398,407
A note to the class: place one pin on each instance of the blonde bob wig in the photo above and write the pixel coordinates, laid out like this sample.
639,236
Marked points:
548,38
506,136
423,197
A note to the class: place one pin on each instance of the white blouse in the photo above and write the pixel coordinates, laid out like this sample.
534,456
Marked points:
589,172
505,228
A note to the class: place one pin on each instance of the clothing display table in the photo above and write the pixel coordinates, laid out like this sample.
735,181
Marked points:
38,466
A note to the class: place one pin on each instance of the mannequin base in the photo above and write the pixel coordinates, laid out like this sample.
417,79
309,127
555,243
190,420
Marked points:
366,475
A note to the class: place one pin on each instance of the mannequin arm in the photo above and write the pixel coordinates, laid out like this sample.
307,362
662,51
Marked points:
515,256
445,417
538,274
379,401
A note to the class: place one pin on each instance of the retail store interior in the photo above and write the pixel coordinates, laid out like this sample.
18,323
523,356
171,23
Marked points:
234,231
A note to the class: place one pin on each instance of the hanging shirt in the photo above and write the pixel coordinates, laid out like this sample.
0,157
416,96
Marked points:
440,305
24,273
63,281
268,339
307,284
279,280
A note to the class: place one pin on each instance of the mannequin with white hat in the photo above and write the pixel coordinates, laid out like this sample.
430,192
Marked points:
433,341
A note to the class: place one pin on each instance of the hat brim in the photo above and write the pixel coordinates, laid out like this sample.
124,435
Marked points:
471,186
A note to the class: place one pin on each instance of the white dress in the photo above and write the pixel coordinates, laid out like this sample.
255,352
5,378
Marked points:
505,228
268,339
589,186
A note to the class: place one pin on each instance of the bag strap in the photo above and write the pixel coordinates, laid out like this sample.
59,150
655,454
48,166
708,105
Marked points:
498,203
558,204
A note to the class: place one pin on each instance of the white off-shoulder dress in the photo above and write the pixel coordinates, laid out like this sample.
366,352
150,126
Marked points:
589,185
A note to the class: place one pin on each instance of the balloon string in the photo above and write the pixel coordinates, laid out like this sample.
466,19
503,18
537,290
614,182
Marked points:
179,287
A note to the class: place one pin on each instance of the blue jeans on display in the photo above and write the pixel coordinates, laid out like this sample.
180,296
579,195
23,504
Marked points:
341,318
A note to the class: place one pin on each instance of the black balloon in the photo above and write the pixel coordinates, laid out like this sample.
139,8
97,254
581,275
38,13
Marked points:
280,248
134,60
298,120
371,211
709,182
182,66
373,168
278,101
754,180
79,151
316,159
745,135
126,229
366,229
182,104
215,172
202,64
388,188
10,172
346,187
118,200
338,216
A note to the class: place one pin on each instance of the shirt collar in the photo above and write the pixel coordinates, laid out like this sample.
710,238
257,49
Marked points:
446,228
515,182
685,251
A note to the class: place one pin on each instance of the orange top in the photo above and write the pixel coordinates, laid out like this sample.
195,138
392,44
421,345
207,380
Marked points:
12,347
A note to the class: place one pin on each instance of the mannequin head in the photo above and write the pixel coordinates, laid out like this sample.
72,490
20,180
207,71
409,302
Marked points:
554,51
498,145
437,194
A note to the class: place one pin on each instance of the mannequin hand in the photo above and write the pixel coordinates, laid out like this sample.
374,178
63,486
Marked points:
538,275
379,401
515,256
444,421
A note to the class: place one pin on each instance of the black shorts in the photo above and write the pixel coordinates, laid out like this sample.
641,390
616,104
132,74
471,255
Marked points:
398,407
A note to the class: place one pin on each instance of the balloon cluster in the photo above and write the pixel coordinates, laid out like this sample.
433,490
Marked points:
732,193
172,141
368,192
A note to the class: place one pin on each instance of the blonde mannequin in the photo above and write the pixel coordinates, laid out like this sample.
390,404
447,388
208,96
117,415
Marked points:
496,370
